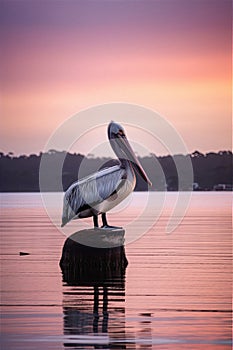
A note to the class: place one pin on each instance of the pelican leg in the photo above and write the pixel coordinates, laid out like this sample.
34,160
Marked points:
104,219
105,223
95,220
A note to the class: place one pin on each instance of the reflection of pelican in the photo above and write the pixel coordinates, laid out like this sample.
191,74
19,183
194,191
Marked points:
100,192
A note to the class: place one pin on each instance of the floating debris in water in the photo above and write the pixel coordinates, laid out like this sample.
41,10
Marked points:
24,253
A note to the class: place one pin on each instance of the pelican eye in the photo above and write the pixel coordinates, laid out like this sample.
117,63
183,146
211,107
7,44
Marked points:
121,133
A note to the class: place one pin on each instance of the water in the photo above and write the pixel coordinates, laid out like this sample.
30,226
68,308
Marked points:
175,294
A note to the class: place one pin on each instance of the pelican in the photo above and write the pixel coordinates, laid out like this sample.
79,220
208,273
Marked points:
98,193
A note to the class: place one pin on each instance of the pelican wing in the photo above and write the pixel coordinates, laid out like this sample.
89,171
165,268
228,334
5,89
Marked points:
90,191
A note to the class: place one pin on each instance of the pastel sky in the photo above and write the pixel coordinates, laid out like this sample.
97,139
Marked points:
58,57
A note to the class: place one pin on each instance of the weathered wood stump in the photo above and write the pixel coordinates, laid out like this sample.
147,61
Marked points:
94,257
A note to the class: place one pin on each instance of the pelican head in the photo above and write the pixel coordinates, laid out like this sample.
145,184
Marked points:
123,150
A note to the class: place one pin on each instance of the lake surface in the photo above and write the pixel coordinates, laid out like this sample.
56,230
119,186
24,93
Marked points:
175,292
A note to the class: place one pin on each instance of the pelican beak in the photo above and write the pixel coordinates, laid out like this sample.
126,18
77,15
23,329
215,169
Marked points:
130,155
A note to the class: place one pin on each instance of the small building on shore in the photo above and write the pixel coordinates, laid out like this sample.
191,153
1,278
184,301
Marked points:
222,187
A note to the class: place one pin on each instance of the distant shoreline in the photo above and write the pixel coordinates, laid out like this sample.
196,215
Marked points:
211,171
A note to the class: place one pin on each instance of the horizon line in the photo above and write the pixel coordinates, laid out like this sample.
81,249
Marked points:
92,155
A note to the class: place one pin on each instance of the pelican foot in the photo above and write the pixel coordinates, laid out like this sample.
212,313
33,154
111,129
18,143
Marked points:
107,227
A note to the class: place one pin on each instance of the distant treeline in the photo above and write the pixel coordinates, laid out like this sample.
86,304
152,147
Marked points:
21,174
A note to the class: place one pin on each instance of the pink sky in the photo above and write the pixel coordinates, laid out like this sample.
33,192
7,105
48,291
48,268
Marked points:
60,57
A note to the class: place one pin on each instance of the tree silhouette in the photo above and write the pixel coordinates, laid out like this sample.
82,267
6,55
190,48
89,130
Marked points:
21,173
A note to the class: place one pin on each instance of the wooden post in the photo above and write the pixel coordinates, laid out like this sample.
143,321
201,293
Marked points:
94,257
